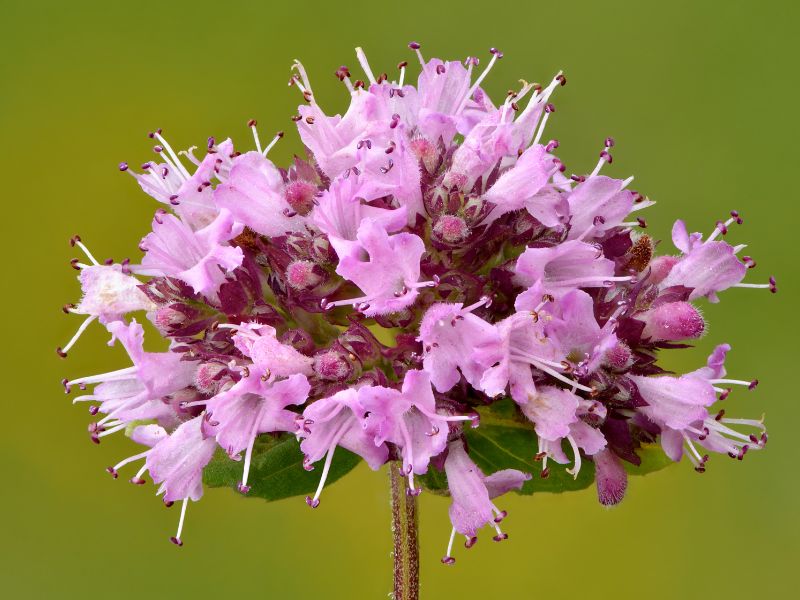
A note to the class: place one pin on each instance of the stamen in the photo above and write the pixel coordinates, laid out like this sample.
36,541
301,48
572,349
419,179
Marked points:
496,55
76,241
274,141
415,46
362,59
448,559
62,352
577,468
182,170
252,125
314,502
176,539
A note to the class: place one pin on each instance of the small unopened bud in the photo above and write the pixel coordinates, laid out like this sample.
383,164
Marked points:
332,366
610,478
300,340
167,319
207,378
450,229
426,152
660,268
303,274
620,356
673,321
300,196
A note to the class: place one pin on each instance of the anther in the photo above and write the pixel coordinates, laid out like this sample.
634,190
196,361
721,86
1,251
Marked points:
311,502
123,166
414,45
561,79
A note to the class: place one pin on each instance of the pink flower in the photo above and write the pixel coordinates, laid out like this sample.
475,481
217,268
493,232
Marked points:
252,407
342,209
200,258
408,419
559,414
599,204
171,183
388,274
449,334
109,293
521,345
472,493
569,265
135,392
525,185
254,194
679,405
337,421
709,267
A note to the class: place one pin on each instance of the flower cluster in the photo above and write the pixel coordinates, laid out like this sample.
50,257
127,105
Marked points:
429,257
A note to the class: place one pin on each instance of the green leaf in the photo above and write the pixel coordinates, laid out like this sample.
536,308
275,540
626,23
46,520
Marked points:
276,469
507,440
653,459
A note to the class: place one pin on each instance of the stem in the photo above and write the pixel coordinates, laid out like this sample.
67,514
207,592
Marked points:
404,532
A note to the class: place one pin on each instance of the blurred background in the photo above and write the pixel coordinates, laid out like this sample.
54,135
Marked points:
701,98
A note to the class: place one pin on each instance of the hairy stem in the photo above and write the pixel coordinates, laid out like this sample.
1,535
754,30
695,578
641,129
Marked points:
404,532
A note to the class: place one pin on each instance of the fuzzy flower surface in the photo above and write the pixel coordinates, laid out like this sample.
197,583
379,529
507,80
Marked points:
428,258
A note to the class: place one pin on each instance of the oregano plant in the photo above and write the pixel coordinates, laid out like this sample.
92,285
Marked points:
428,291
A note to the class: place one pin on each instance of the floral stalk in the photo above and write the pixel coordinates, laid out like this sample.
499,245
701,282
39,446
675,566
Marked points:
405,528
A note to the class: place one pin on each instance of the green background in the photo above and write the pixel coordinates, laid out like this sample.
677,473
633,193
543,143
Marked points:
701,97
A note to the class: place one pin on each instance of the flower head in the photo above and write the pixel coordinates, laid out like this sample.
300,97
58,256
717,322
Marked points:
429,257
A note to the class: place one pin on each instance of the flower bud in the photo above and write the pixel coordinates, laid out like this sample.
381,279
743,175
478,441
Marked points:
332,366
673,321
610,478
619,357
450,229
207,380
300,196
426,152
300,340
303,274
660,268
167,319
